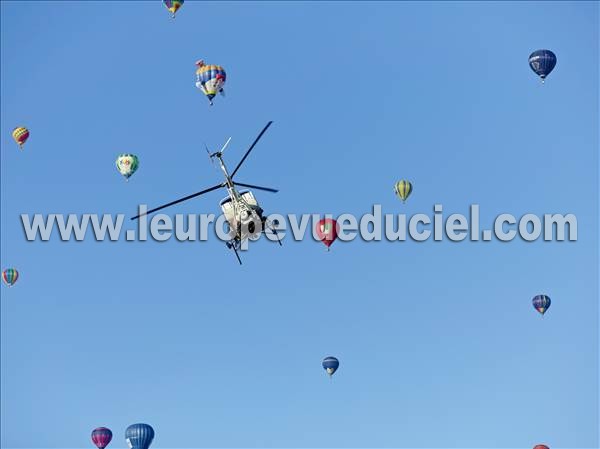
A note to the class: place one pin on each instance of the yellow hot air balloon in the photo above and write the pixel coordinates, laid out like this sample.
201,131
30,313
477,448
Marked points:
403,189
20,134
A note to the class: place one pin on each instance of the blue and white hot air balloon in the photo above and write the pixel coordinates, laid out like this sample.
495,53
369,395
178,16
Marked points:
139,436
330,364
542,62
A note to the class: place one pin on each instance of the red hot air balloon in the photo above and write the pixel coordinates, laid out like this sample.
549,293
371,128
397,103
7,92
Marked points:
101,437
327,231
541,446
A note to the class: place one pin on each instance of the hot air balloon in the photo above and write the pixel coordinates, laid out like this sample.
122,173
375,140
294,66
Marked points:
20,134
542,62
330,364
210,79
101,437
173,6
541,446
139,436
10,276
127,164
403,189
327,231
541,303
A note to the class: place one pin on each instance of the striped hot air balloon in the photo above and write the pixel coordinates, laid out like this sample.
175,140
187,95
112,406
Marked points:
139,436
20,134
403,189
210,79
10,276
173,6
541,303
101,437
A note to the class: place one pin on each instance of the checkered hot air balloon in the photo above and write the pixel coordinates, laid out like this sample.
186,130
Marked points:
20,134
173,6
403,189
10,276
101,437
541,303
127,164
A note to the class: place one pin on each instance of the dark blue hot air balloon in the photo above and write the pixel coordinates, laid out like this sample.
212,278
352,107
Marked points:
542,62
330,364
139,436
541,303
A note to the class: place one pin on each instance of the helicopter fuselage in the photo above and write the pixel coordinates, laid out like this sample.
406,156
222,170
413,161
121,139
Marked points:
243,214
241,209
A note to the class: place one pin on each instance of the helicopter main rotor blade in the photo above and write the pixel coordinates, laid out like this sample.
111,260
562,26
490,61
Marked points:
225,146
250,149
266,189
180,200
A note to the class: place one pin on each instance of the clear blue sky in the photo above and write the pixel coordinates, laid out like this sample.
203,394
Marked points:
438,342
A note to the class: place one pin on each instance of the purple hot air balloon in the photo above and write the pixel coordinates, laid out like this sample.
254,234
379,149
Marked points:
101,437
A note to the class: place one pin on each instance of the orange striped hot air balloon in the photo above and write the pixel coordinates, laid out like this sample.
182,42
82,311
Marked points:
20,134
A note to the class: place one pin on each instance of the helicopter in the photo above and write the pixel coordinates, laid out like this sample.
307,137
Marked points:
240,208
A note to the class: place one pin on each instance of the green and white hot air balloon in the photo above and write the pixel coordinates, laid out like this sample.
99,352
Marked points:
127,164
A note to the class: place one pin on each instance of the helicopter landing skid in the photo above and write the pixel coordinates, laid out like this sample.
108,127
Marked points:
271,227
234,245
